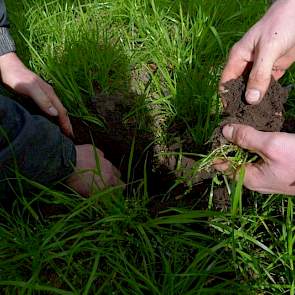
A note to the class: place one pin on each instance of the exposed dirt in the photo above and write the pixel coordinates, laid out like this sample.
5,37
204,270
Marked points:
116,140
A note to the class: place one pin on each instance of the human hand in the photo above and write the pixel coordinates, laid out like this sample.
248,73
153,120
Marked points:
93,171
19,78
269,45
275,171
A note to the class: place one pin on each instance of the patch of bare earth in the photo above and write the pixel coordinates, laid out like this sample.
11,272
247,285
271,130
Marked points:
162,162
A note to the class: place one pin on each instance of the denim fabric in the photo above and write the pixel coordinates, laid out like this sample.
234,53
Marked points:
32,145
3,15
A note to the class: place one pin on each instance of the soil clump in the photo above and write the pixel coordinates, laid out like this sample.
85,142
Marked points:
268,115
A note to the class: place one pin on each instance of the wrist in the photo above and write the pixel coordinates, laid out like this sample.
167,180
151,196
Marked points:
10,61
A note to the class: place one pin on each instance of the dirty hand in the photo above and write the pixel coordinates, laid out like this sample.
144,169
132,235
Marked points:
93,171
269,45
275,171
19,78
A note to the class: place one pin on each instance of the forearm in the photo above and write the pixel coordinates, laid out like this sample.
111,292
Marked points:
6,42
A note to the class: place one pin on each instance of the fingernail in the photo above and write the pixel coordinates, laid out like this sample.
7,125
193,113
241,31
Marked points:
252,95
228,131
53,111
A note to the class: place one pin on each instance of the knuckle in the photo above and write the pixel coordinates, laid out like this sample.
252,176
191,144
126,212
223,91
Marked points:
34,81
241,135
271,147
235,50
269,42
47,86
236,47
259,75
240,51
46,103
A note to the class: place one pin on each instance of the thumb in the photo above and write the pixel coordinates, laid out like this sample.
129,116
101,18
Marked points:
251,139
246,137
260,75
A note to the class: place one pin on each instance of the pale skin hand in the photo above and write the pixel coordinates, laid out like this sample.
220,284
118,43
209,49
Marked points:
275,172
93,171
19,78
269,45
85,178
268,48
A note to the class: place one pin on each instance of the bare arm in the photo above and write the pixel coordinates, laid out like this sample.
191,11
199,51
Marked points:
18,77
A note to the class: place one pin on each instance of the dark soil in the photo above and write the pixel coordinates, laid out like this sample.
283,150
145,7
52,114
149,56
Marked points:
268,115
116,142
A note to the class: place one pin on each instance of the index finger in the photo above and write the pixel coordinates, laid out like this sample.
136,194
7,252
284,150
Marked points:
236,64
63,117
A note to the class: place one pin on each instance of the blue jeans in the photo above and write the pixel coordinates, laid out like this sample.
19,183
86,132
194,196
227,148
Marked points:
33,146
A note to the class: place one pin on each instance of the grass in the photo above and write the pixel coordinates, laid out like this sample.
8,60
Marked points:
110,244
90,250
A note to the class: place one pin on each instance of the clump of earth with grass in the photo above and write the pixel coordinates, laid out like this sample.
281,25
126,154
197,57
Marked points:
165,163
268,115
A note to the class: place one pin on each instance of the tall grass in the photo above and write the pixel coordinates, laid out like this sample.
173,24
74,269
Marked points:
75,43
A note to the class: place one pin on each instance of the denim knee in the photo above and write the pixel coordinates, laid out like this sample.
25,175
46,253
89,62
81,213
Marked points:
32,145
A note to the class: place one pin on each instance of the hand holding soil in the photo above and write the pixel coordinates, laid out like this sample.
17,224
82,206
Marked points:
251,127
265,116
275,172
268,47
